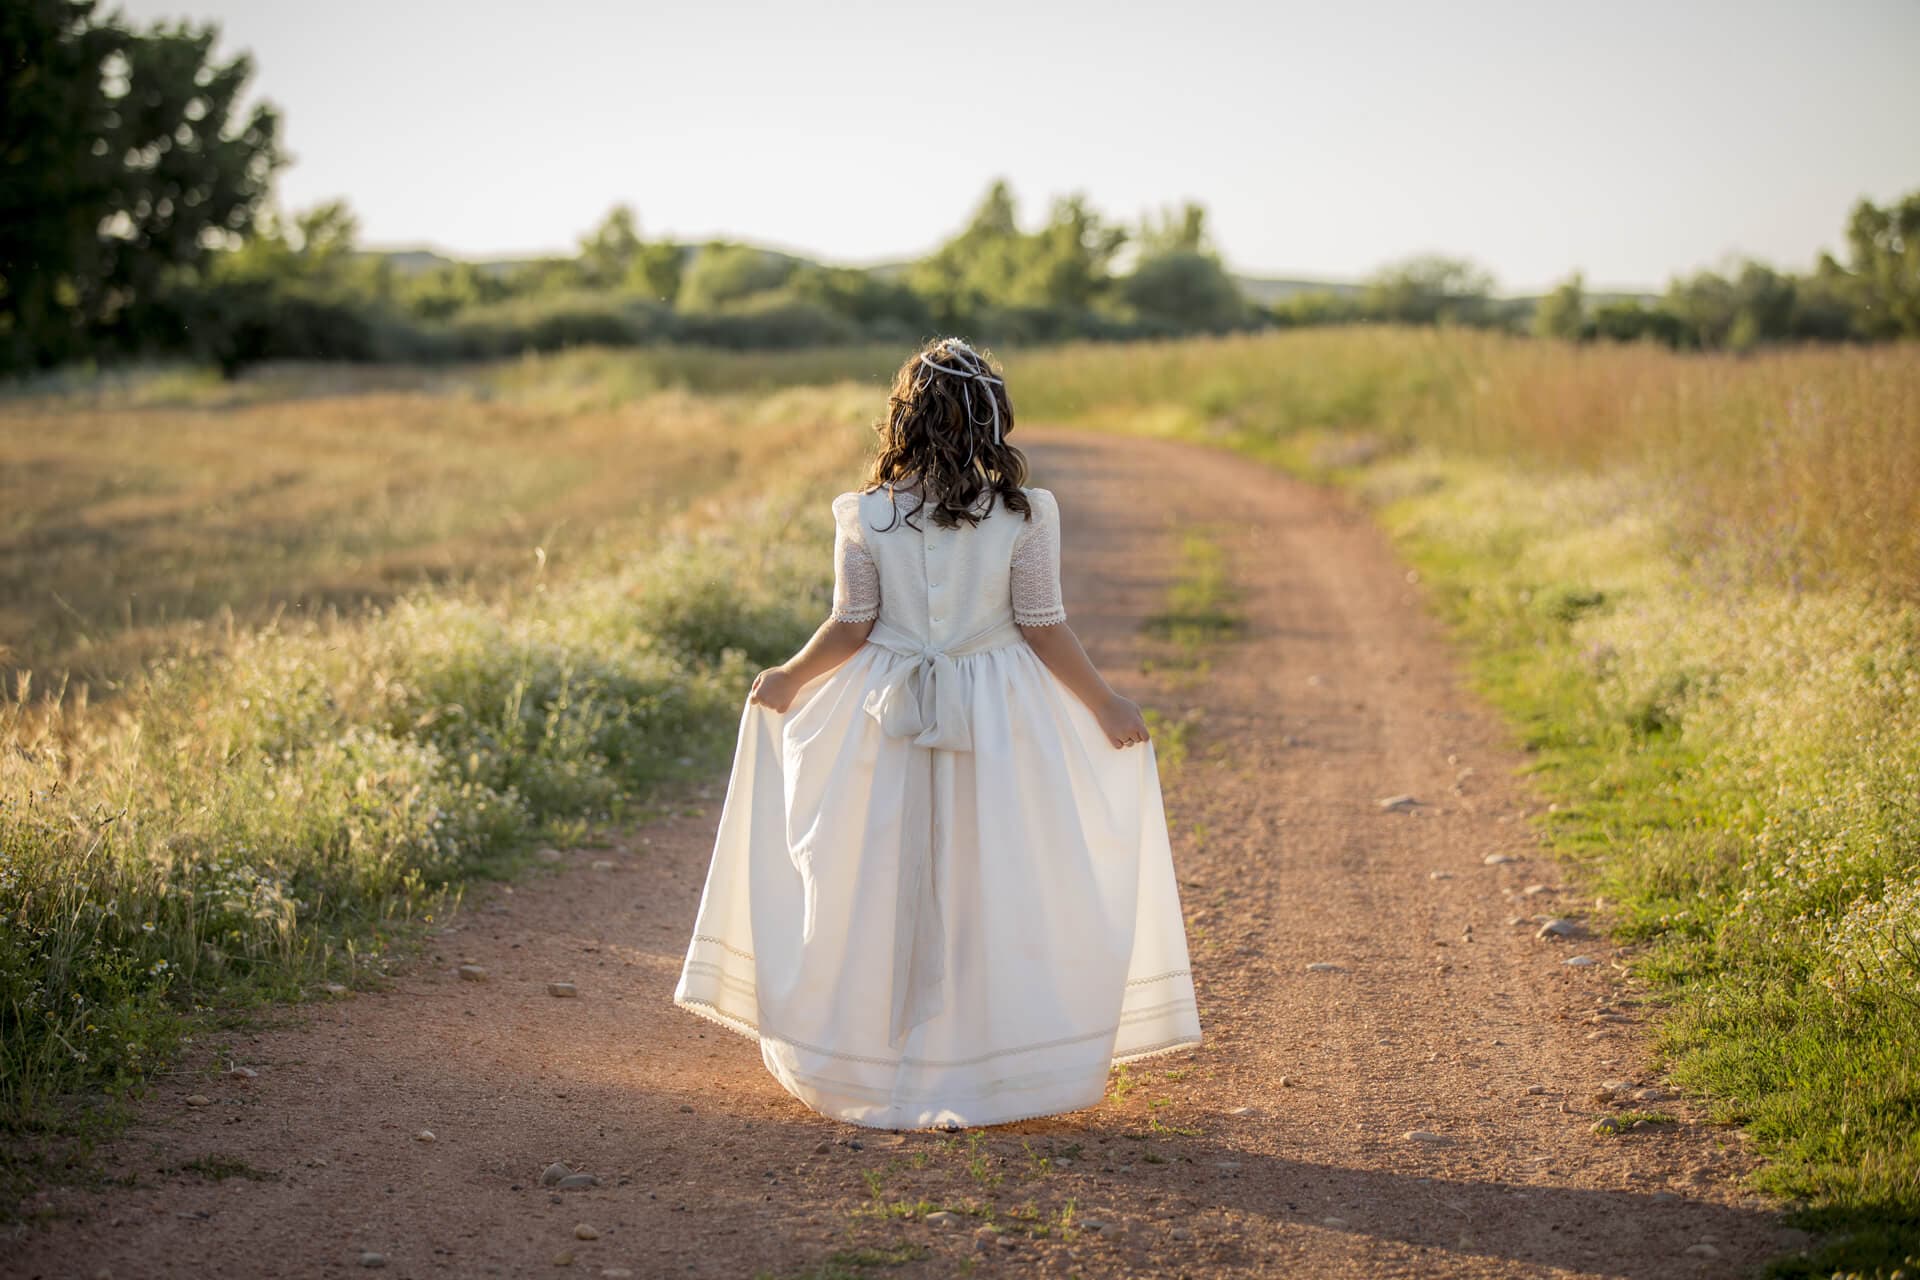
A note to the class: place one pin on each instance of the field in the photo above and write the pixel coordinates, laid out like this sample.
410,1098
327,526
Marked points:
310,650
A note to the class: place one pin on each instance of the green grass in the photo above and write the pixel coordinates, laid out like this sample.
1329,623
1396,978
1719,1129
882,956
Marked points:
1623,1121
1690,583
271,809
217,1168
131,531
293,811
1200,608
1200,614
997,1182
1732,768
850,1264
1693,587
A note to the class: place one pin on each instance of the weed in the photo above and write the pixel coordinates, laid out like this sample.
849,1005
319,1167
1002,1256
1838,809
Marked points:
216,1168
980,1161
1200,604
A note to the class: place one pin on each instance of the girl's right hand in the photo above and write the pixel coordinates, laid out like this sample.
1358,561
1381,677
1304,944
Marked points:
1122,722
774,689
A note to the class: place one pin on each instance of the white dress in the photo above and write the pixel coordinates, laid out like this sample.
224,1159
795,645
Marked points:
939,896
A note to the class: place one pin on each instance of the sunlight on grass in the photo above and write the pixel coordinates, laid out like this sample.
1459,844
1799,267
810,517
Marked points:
361,635
271,809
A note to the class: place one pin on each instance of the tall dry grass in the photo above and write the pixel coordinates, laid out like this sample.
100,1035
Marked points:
1797,466
145,520
1690,580
1693,584
263,809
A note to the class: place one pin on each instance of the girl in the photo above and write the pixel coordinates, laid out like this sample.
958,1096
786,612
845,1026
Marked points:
942,894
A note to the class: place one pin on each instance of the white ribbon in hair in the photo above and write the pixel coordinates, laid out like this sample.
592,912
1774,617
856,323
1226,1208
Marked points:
972,369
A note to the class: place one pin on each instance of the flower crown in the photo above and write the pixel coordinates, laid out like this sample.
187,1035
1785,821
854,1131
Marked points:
970,366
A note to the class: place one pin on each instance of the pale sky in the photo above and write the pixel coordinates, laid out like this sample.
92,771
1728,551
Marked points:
1631,139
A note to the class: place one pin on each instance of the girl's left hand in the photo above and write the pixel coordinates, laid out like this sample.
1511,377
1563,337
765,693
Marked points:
774,689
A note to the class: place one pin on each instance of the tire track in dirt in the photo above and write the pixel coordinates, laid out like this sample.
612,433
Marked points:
1275,1147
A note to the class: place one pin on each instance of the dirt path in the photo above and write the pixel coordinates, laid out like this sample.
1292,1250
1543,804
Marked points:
1277,1148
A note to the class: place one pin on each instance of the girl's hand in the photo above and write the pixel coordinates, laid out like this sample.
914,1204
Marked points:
774,689
1123,723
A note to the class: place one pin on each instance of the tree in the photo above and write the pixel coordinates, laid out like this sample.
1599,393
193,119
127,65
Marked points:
883,305
451,288
1884,250
1182,230
122,160
1316,307
1431,290
613,256
1627,320
317,247
657,270
1067,264
993,267
1180,282
1563,313
608,252
723,273
1716,312
970,272
1185,290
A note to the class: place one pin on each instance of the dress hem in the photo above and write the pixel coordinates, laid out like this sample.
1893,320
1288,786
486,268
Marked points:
710,1012
1172,1046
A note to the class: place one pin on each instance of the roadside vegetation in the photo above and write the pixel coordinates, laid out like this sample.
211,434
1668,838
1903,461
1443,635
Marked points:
1691,582
1693,586
255,812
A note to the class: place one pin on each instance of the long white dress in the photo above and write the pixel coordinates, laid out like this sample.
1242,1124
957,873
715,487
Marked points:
939,896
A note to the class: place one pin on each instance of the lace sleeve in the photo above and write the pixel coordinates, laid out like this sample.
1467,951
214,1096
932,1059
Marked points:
1036,566
856,579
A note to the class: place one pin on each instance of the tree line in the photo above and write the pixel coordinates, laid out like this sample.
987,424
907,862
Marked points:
136,219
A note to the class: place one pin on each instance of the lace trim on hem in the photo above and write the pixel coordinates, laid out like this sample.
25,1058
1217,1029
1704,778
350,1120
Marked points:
853,615
706,1011
711,1012
943,1064
1160,977
1053,619
724,944
959,1128
893,1099
1154,1051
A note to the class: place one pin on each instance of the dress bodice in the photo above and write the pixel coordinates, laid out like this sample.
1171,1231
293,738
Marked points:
942,586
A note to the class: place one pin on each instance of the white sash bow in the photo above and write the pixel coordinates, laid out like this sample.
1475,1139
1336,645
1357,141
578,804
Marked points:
927,701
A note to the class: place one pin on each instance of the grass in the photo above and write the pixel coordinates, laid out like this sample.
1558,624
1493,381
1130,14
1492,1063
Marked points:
849,1264
996,1185
259,811
1693,586
365,663
217,1168
1200,603
133,529
1790,466
1734,773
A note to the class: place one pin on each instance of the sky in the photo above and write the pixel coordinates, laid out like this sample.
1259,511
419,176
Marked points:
1630,140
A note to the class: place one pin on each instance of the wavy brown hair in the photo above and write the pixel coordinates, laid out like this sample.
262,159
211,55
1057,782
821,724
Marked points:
939,433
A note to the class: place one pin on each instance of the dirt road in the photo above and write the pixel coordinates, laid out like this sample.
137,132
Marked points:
1280,1147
